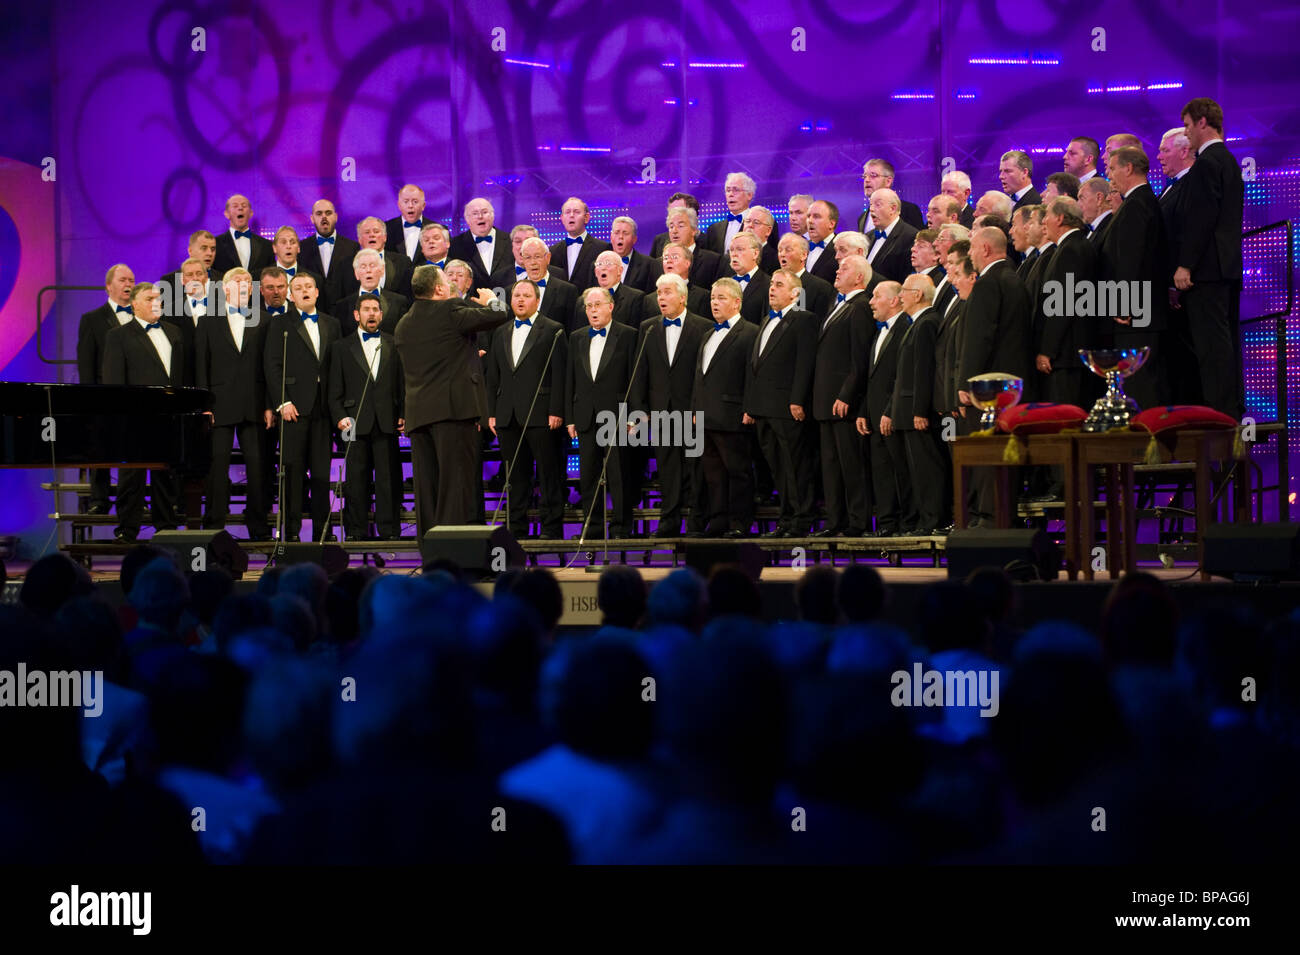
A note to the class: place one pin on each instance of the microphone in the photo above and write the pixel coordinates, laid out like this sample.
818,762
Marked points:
338,492
541,379
279,458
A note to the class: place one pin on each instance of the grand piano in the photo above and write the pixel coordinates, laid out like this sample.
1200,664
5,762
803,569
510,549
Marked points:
102,426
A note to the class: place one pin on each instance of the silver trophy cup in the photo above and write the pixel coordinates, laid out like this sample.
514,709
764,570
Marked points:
993,392
1114,409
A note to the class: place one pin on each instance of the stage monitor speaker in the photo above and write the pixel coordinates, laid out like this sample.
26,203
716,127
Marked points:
1253,551
1024,553
703,555
330,556
203,550
477,549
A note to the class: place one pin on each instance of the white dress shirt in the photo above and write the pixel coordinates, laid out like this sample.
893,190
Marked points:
243,246
715,339
1017,196
313,331
326,250
596,348
835,310
815,254
733,229
881,336
196,307
879,244
1097,221
769,327
236,322
412,237
160,343
1087,175
122,317
571,251
371,350
673,334
485,250
519,335
290,270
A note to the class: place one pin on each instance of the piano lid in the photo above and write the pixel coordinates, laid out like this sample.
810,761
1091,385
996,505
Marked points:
23,397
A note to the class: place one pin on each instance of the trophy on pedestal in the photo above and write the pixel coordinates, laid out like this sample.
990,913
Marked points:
993,392
1114,409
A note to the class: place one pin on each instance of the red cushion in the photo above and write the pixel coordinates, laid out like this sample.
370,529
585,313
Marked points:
1040,417
1175,417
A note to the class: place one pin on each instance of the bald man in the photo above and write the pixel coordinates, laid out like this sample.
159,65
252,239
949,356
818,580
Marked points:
485,247
404,229
576,253
329,253
890,249
239,246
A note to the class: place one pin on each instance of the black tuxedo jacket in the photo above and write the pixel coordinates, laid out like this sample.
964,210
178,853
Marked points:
641,271
894,260
340,280
391,305
1097,236
936,274
754,303
818,294
719,393
782,375
235,376
540,371
1136,249
131,359
1030,198
966,217
914,378
289,354
436,343
995,333
943,395
909,212
714,238
657,247
1063,337
372,403
704,267
878,392
1034,286
833,365
91,332
260,253
825,267
944,293
502,272
397,240
1173,207
1026,264
589,391
660,386
1210,245
397,272
583,275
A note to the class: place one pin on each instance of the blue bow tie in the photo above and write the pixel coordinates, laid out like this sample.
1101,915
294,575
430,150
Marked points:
719,326
519,270
523,321
311,317
482,238
568,241
741,278
877,234
817,245
290,270
881,325
246,234
441,264
366,336
672,321
323,239
199,301
625,259
374,292
841,298
417,224
153,326
773,313
123,308
593,332
275,309
736,217
541,283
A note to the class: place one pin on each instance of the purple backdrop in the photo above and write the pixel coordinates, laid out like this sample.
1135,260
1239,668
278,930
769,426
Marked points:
530,103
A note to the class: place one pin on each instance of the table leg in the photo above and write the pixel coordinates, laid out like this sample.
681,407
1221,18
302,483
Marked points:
1072,556
1204,489
1114,525
960,515
1128,510
1086,516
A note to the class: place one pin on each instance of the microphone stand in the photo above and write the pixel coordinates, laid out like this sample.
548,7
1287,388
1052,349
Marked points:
278,550
338,493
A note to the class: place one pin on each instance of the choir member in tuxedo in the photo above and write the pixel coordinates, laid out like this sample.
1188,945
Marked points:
435,240
823,216
1022,237
557,298
460,278
738,191
678,260
576,253
602,357
518,235
144,351
890,252
639,271
879,174
961,277
957,184
203,246
995,334
1060,338
877,369
745,253
912,413
944,291
371,270
1136,250
287,253
844,467
1209,272
1016,173
229,362
629,304
797,209
778,399
197,297
485,247
366,402
239,246
760,221
397,267
678,200
1118,141
329,254
297,356
402,232
665,379
1060,184
942,210
271,287
91,332
526,369
1082,155
683,230
814,295
993,203
1094,203
1183,374
851,243
718,399
445,396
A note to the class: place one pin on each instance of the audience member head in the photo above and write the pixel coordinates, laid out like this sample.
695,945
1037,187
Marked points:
51,582
621,596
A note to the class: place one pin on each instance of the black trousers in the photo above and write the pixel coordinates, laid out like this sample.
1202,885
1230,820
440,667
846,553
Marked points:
618,482
787,447
308,446
681,482
164,491
1212,313
447,474
249,434
536,448
729,481
99,478
1149,386
930,477
890,482
980,489
844,475
372,464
